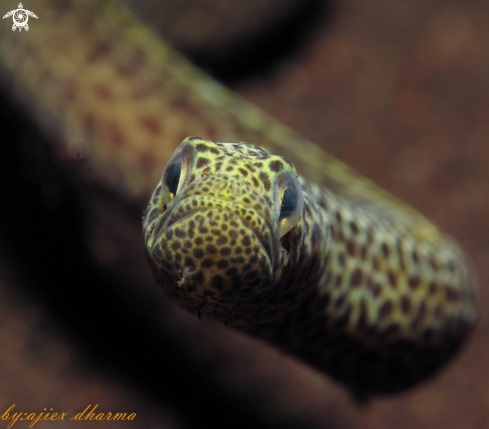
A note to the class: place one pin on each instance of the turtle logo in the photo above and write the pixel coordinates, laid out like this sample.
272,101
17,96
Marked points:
20,17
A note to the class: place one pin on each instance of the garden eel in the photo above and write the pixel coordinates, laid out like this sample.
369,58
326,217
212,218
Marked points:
326,266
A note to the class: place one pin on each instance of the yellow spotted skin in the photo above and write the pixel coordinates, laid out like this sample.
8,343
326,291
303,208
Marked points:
363,287
354,291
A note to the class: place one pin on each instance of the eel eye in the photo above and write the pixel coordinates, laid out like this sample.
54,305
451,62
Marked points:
171,180
289,202
290,206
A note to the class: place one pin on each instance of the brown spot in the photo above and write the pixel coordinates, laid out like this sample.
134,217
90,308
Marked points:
103,48
414,282
115,134
385,250
354,227
206,263
392,279
243,172
211,248
386,309
201,147
276,166
201,162
265,181
433,288
222,264
180,233
356,278
152,125
183,104
350,247
341,259
246,241
232,271
374,287
189,262
217,282
103,91
198,253
225,251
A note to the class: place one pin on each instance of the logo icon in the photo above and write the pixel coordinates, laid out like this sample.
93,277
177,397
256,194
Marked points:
20,17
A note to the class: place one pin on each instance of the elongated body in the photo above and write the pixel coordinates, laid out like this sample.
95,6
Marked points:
236,236
362,286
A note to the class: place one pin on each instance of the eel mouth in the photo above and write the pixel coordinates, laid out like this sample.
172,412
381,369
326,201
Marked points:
212,261
219,214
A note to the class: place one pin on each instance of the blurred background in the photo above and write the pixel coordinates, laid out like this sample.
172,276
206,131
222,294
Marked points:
397,90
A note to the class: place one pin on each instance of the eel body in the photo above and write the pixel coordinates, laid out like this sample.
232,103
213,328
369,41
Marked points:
361,286
236,236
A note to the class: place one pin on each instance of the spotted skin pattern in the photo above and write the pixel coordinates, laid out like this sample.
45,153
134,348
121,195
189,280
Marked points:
360,281
349,289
